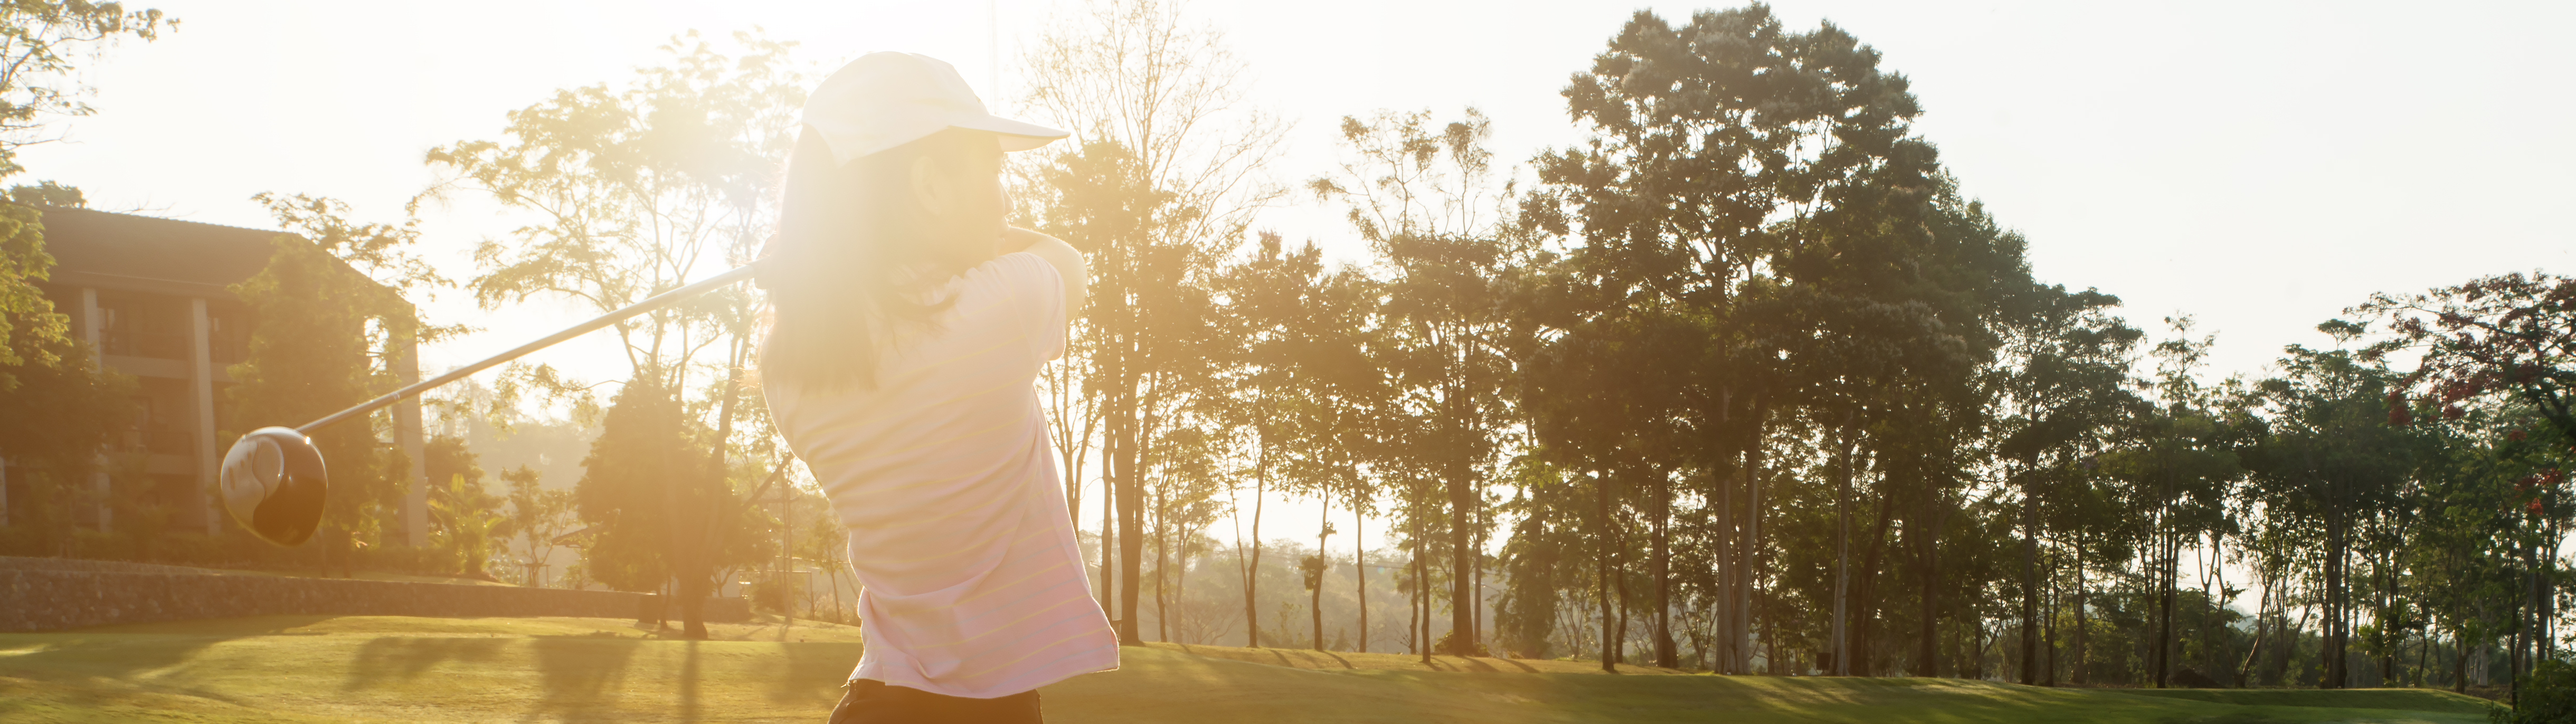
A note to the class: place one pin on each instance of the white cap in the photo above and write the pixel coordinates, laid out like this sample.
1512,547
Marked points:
884,100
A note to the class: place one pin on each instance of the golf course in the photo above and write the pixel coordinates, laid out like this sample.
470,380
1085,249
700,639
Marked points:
399,669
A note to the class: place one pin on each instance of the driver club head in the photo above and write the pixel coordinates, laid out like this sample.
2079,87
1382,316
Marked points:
273,483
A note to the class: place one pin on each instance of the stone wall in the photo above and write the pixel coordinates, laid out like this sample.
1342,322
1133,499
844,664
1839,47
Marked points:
45,594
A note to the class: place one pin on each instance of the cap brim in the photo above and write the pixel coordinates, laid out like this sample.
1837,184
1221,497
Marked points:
1015,135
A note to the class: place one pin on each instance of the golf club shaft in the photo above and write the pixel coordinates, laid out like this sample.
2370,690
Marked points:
658,301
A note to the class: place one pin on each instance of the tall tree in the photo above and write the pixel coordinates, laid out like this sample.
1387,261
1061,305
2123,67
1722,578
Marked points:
2178,469
2510,334
1703,135
331,320
43,367
1270,295
43,47
2329,464
2064,391
1133,74
631,191
539,516
642,455
1427,200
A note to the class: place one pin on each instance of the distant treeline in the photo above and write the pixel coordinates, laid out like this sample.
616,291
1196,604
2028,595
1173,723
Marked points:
1745,382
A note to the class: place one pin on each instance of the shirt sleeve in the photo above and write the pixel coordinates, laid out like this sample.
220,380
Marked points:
1036,293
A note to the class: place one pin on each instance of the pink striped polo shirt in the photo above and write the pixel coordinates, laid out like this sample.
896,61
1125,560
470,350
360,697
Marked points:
946,482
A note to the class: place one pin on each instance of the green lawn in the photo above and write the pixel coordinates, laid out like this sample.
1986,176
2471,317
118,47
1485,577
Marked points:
418,670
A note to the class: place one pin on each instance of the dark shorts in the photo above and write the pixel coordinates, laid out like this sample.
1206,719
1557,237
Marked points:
873,702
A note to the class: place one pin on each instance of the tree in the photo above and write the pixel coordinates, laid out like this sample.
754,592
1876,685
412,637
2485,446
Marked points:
1331,408
1272,298
331,321
463,516
2179,468
2063,393
2509,334
1427,200
469,521
627,485
31,332
88,407
1702,134
539,514
2510,337
1161,119
633,190
41,45
2330,465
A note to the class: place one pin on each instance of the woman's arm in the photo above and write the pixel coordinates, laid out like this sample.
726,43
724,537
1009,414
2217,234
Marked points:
1068,263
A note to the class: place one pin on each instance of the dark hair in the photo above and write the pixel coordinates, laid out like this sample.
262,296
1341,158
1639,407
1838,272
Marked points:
862,263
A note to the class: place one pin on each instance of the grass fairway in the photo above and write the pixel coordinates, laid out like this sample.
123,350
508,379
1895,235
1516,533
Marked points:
418,670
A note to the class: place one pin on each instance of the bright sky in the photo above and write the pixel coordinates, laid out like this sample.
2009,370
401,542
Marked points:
2257,165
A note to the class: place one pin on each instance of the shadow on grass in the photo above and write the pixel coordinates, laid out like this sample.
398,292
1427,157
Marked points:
127,652
689,681
1472,664
812,671
581,676
391,659
1305,659
2432,700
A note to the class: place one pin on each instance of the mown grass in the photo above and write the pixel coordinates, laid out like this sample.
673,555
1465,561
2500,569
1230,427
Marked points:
419,670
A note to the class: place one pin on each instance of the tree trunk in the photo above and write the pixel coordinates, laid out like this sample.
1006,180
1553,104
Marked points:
2050,628
1841,635
1162,527
2459,663
839,607
1413,604
1931,553
1771,662
1316,592
1252,574
2083,624
1744,554
1359,563
697,564
2166,566
2029,583
1108,512
2538,638
1724,560
1422,589
1131,504
1867,594
2262,629
2333,649
2423,656
1463,499
1625,604
1476,601
2281,669
1609,637
1666,654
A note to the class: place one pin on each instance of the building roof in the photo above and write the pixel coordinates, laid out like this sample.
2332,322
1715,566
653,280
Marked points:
142,253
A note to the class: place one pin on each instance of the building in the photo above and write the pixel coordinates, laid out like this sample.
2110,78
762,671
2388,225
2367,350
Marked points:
150,298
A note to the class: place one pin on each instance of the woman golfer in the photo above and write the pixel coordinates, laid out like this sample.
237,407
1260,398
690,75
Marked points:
906,332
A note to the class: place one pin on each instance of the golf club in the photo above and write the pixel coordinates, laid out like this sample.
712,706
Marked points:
274,481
